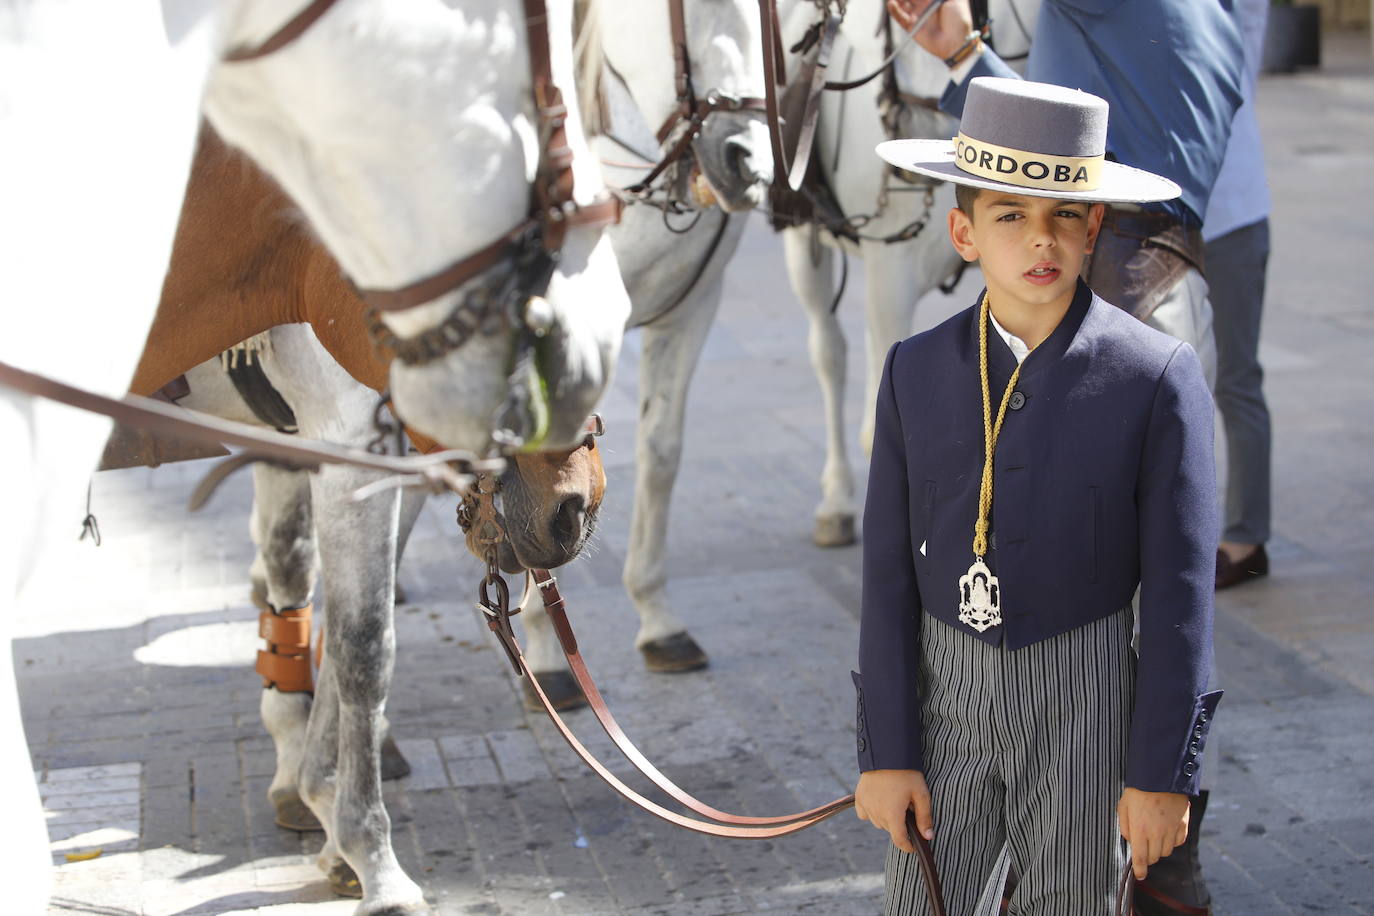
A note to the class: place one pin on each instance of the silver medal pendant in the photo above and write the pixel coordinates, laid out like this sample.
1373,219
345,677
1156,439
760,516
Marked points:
980,597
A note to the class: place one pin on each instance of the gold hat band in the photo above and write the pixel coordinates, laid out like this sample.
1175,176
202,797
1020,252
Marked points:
1027,170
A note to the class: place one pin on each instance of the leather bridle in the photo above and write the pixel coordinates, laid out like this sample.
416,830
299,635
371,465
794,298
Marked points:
515,267
685,122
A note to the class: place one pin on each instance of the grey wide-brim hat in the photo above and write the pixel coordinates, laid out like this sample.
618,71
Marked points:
1031,138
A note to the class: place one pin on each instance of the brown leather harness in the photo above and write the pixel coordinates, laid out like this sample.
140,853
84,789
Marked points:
513,268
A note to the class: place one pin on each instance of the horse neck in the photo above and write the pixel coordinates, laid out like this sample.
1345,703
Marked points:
243,263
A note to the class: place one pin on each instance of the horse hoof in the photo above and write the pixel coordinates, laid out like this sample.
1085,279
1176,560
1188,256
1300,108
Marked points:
294,814
833,531
675,653
394,763
558,686
343,880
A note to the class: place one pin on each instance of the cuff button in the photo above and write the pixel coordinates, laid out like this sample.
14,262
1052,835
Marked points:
1189,768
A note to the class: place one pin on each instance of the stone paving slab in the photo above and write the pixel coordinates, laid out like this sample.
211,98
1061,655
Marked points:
141,708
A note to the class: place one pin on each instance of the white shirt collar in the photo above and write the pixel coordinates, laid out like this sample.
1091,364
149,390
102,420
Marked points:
1017,345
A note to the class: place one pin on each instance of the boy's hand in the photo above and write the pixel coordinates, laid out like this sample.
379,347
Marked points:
943,33
1153,823
883,797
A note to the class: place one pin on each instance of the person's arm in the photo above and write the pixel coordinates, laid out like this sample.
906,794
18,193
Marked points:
943,35
1176,506
889,716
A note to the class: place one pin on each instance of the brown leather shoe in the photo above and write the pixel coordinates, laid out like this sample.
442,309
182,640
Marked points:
1251,567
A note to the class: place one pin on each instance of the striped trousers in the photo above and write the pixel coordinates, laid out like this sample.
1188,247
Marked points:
1025,757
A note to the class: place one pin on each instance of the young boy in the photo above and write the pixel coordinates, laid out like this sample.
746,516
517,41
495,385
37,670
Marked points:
1036,458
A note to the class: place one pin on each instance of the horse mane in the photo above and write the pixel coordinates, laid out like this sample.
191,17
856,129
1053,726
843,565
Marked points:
588,57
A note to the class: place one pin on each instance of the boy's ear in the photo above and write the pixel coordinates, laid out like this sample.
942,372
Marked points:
1095,214
961,234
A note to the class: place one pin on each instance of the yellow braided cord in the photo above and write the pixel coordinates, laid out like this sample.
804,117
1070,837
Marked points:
990,432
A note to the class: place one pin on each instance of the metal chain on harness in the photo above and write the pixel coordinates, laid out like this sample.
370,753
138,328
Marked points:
477,511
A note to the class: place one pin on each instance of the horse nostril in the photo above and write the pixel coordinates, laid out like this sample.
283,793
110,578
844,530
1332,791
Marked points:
568,521
739,160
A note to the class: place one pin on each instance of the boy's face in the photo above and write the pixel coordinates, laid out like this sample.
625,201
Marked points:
1031,249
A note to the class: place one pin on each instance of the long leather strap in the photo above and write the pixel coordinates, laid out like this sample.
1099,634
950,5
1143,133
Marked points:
294,28
794,169
735,827
451,468
554,606
731,825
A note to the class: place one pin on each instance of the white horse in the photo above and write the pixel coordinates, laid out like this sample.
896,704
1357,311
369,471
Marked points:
674,277
358,118
732,155
896,274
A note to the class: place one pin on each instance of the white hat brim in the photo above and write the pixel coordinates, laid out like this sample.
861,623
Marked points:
1120,184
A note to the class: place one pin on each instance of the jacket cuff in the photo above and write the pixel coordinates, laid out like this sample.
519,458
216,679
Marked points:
1186,778
907,748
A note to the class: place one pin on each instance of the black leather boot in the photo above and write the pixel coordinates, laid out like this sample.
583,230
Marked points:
1175,883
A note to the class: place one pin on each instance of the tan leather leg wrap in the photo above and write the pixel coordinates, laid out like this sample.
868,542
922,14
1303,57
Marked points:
285,663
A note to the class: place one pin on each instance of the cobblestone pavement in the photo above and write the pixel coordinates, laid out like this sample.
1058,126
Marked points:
141,707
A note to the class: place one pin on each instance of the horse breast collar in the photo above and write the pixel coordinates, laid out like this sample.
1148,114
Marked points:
521,262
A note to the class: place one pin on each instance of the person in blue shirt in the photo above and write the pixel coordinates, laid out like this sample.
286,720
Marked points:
1037,458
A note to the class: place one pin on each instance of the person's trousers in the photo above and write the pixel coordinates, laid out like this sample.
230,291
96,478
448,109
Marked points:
1235,275
1026,751
1187,313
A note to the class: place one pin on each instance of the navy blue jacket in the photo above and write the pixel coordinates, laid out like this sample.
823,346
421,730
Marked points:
1103,480
1171,70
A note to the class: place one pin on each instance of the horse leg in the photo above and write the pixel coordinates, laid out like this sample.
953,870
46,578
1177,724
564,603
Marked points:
24,847
889,304
669,353
340,776
394,763
813,283
283,576
896,277
412,501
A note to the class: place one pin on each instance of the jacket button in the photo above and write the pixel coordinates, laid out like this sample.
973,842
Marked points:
1194,749
1189,768
862,745
1018,400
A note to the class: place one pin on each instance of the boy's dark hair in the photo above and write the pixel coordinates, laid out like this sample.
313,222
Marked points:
964,196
